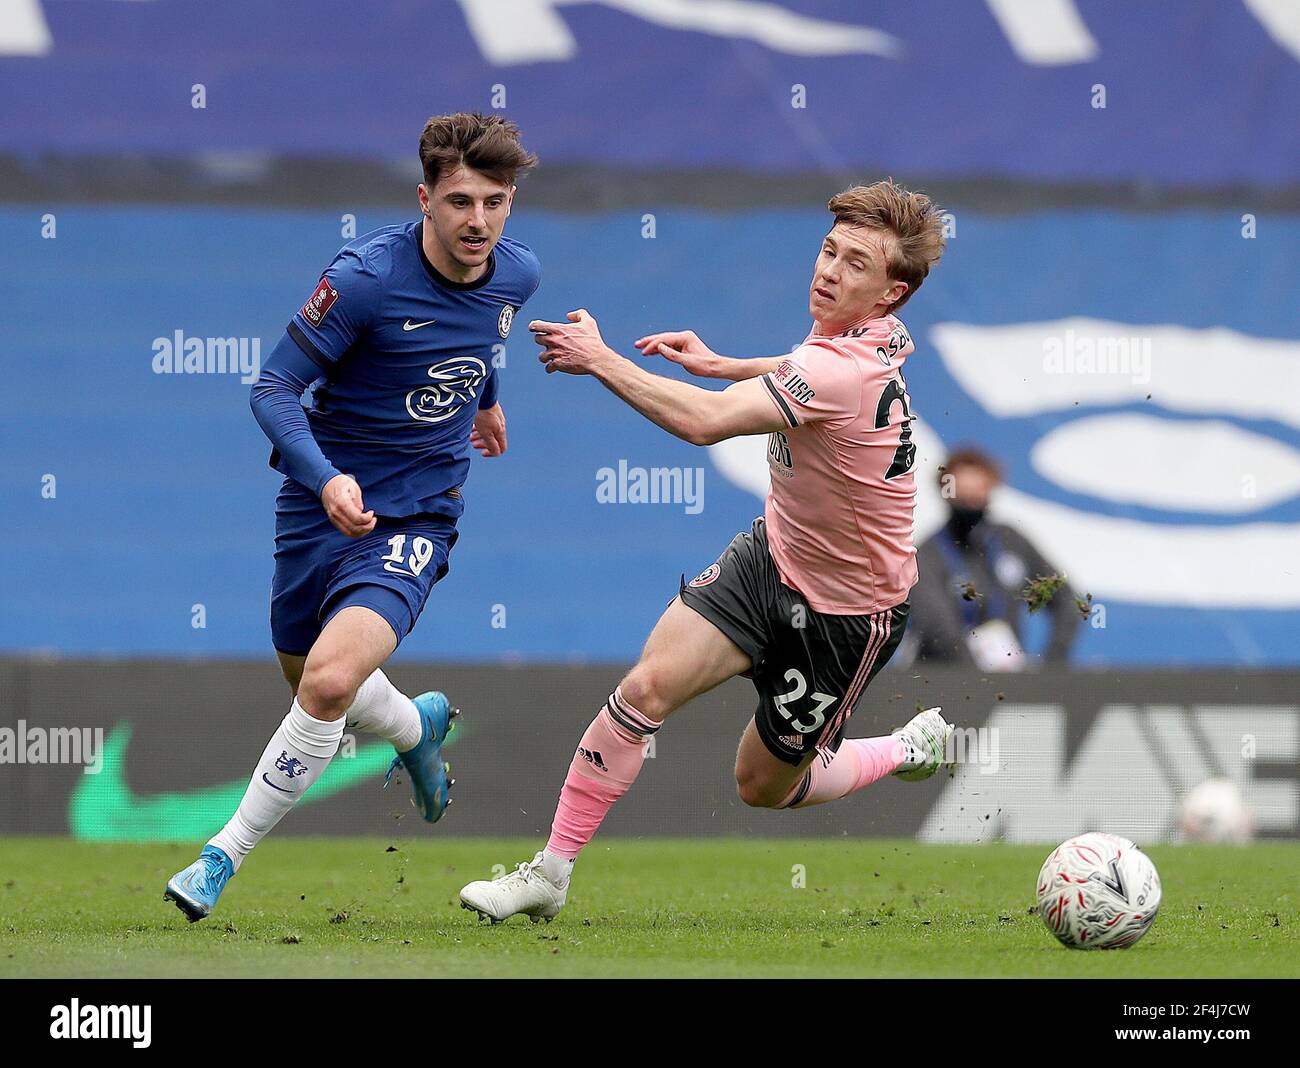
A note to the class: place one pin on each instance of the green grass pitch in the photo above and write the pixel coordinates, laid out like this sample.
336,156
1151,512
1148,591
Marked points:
720,908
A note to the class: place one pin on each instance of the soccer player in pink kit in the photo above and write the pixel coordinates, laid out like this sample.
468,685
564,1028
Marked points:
812,601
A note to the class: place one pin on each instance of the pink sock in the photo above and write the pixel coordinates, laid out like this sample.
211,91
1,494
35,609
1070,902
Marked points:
605,766
858,763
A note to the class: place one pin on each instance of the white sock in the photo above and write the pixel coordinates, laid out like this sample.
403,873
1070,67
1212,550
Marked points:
381,708
557,869
299,750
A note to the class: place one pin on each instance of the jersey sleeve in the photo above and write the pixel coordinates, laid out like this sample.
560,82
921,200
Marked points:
816,383
491,389
529,277
340,309
276,400
530,273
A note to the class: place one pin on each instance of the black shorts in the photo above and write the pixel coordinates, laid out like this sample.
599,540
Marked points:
810,668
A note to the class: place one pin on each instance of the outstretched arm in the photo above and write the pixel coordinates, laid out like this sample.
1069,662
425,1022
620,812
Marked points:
700,416
684,348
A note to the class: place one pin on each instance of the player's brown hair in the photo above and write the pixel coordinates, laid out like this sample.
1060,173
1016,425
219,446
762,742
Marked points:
913,218
969,456
486,143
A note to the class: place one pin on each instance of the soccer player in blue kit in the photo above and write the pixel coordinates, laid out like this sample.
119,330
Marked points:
396,345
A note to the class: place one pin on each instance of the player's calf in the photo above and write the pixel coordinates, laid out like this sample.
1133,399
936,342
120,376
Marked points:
764,779
759,791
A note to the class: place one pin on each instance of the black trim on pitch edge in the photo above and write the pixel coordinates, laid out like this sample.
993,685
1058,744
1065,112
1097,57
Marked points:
271,180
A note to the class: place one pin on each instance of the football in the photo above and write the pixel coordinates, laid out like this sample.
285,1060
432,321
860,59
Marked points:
1098,891
1216,812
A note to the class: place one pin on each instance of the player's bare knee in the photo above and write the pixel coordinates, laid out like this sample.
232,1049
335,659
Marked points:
325,691
757,795
757,792
644,691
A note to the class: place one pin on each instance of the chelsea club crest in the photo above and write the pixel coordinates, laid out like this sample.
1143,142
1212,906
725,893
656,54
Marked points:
504,320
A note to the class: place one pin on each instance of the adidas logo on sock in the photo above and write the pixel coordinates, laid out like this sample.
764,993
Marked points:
592,758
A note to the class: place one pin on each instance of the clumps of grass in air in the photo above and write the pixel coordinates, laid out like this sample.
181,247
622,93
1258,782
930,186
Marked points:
1038,593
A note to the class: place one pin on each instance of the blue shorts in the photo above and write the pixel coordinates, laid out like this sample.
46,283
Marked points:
319,571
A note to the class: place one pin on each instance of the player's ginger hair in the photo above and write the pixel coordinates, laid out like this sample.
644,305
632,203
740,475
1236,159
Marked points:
913,219
488,144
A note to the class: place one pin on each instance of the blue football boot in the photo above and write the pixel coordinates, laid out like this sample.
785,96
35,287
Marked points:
424,763
196,889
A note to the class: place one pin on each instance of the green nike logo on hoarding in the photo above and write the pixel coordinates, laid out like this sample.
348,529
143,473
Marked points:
104,808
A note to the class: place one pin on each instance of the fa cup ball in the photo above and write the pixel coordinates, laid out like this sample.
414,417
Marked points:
1098,891
1216,811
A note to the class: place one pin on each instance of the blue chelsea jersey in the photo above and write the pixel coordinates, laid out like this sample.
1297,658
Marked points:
407,357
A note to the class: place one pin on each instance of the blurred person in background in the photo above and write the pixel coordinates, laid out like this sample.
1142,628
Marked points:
969,604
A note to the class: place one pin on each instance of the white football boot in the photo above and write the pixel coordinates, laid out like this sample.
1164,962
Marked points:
525,890
926,737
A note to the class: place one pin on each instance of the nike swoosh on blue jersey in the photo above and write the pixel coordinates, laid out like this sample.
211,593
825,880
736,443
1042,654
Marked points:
408,325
